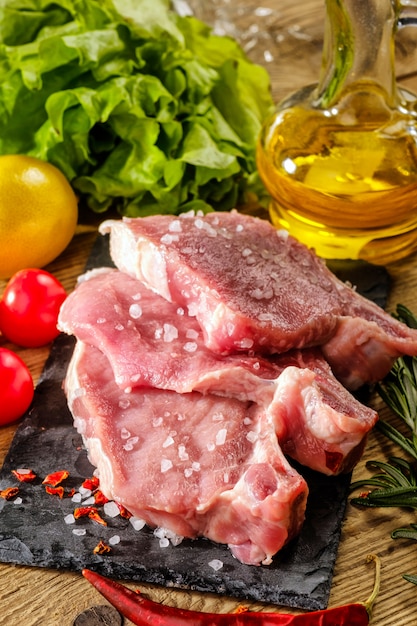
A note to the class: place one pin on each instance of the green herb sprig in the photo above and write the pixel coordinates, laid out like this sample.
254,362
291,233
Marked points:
395,483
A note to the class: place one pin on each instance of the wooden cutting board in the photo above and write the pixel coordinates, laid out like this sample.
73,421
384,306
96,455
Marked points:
31,596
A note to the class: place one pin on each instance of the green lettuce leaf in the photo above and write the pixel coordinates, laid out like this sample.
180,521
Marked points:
141,109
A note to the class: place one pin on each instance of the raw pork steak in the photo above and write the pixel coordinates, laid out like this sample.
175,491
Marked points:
194,464
151,342
252,287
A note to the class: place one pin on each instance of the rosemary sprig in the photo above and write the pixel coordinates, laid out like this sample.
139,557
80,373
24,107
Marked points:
395,483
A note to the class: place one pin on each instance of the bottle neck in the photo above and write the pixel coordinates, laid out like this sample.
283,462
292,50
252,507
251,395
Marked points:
358,50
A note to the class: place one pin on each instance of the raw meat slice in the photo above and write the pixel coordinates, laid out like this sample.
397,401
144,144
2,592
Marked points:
149,343
234,273
198,465
254,288
318,422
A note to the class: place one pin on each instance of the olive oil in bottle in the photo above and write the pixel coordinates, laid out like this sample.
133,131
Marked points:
339,159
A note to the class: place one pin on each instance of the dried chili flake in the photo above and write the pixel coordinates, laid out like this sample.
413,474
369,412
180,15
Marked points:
83,511
123,511
102,548
100,498
9,493
241,609
55,491
56,478
24,475
91,512
96,517
91,483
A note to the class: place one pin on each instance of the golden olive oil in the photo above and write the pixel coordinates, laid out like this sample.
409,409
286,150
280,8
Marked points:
339,158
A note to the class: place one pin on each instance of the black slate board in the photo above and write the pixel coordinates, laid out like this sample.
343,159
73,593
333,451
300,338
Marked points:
34,532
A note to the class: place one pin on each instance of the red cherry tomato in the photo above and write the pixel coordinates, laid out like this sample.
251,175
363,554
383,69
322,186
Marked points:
29,308
16,387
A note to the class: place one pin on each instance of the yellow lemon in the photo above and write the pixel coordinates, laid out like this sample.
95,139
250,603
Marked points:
38,213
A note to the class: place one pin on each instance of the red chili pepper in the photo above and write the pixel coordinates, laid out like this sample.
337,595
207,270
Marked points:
24,475
9,493
56,478
55,491
143,612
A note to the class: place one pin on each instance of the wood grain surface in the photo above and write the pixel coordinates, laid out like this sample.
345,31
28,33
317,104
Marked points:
286,37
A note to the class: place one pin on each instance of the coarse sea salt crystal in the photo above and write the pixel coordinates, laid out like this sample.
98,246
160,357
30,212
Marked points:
170,332
164,542
191,333
216,564
251,436
124,433
175,226
85,492
69,519
89,500
190,346
77,497
244,344
111,509
168,442
79,532
18,500
135,311
137,523
221,436
182,453
166,464
130,443
114,540
168,239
